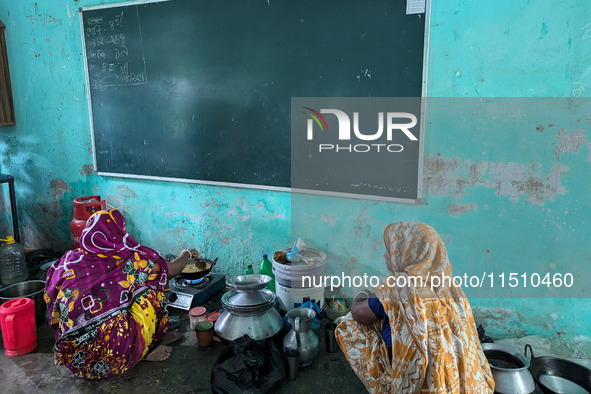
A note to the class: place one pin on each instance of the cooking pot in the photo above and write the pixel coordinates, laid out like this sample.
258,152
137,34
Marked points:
556,375
199,274
509,369
30,289
248,309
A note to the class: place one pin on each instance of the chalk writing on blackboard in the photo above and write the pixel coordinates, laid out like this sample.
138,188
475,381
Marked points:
112,59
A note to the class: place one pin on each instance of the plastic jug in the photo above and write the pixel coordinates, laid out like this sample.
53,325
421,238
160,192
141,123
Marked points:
13,267
17,320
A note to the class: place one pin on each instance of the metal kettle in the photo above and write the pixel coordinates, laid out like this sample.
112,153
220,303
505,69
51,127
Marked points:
301,337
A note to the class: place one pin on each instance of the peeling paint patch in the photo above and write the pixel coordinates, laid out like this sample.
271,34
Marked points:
569,143
515,180
87,170
125,191
331,220
445,176
58,187
233,212
459,209
440,174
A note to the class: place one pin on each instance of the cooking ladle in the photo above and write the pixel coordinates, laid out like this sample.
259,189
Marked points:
200,264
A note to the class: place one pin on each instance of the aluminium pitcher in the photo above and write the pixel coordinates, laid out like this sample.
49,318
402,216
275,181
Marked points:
301,337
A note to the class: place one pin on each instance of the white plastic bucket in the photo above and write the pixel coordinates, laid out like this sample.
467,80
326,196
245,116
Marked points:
289,285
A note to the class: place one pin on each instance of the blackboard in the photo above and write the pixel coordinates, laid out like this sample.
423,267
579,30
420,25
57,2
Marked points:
200,90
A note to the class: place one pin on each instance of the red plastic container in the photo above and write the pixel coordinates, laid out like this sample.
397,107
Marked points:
213,317
84,207
17,320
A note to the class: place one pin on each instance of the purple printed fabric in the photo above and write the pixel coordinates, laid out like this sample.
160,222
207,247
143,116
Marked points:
103,277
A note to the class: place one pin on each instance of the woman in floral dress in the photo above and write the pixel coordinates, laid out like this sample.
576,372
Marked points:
106,301
415,333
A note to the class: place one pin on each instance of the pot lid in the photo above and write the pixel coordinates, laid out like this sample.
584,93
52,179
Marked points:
248,299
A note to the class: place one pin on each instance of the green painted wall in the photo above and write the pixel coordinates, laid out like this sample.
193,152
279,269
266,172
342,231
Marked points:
504,194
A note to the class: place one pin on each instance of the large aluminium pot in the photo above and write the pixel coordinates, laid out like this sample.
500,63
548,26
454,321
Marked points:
248,310
509,369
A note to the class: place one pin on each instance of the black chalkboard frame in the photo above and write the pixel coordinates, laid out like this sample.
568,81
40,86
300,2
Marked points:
424,85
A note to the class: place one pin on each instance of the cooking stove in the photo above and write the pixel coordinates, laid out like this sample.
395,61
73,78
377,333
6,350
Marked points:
186,294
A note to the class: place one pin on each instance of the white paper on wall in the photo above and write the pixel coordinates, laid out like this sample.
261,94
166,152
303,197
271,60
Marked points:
415,7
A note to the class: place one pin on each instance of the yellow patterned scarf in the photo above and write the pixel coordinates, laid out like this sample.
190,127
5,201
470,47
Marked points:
435,346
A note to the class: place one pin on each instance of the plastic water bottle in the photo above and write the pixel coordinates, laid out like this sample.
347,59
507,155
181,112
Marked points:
249,270
267,269
13,267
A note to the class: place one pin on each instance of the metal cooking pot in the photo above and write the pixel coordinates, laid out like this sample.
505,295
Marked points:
32,289
509,369
248,309
556,375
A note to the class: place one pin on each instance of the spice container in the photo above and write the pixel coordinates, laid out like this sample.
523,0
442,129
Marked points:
196,315
213,317
204,330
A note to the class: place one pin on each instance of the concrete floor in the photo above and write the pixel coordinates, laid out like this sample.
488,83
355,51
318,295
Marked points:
187,371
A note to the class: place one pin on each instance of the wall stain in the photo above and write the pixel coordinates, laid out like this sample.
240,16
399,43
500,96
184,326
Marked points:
497,320
87,170
58,187
331,220
459,209
125,191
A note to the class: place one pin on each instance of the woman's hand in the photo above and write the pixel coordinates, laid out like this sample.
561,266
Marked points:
177,265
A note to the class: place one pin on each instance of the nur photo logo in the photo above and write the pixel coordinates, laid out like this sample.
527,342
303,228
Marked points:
395,122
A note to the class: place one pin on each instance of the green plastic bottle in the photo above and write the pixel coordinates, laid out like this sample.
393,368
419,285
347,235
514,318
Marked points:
267,269
249,270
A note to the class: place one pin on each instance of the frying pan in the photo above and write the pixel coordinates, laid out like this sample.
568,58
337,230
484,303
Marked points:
557,375
199,274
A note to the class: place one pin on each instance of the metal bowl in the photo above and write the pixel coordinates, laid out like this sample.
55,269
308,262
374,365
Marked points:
249,282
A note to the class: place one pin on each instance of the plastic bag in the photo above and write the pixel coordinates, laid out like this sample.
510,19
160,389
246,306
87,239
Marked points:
248,366
336,305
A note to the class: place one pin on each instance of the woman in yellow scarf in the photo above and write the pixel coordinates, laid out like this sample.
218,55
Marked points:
416,333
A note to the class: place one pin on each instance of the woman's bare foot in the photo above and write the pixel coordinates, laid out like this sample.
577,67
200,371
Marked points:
161,353
171,337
